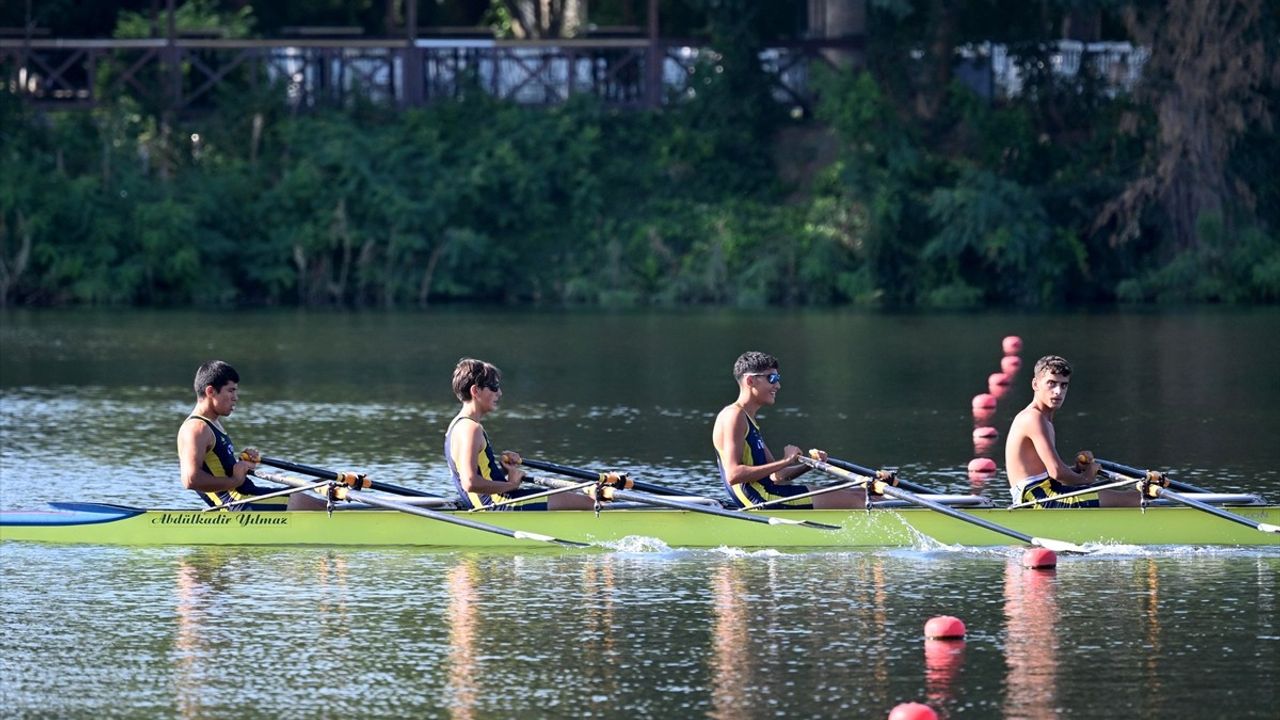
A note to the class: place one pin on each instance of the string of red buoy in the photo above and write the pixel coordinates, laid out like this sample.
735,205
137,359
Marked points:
985,435
944,635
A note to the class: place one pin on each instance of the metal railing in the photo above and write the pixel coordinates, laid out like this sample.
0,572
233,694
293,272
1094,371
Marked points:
185,74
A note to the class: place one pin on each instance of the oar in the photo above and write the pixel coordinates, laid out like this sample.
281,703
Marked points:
348,493
584,474
264,496
619,491
868,472
893,492
335,475
535,496
811,493
1136,473
610,492
1127,482
1154,489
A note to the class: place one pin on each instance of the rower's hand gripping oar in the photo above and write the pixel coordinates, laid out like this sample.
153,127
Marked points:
1154,484
584,474
618,486
882,486
344,486
869,473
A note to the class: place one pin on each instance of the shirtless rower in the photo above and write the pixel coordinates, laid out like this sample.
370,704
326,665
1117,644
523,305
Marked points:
1031,456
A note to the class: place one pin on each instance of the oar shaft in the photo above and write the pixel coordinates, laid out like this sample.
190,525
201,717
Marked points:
646,498
894,492
1127,482
868,472
376,501
535,496
585,474
327,474
1139,473
811,493
265,496
1206,507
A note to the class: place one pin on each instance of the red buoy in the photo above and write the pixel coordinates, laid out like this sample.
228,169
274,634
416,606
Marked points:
1009,364
944,627
982,416
1012,345
982,466
986,432
984,401
1038,558
912,711
998,380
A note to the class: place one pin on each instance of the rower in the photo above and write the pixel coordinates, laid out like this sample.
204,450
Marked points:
207,457
1035,470
481,479
750,473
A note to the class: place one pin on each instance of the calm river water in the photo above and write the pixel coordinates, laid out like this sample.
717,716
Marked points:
90,402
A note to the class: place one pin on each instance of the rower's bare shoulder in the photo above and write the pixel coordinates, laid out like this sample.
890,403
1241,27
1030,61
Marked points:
194,428
730,414
1024,418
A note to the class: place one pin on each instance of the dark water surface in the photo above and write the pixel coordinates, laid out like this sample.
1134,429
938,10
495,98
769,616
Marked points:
90,402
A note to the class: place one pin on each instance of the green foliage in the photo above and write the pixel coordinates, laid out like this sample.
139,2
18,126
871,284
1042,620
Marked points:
928,196
190,16
1225,267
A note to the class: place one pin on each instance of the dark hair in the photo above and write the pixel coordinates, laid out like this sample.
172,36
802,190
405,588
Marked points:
753,362
1053,364
470,372
215,373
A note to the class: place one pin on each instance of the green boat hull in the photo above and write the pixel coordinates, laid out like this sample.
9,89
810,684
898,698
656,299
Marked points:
116,525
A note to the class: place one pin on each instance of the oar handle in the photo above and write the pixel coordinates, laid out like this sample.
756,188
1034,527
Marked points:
343,477
868,472
1134,472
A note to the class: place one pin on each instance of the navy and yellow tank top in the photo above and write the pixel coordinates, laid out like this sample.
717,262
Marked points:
486,465
764,490
219,461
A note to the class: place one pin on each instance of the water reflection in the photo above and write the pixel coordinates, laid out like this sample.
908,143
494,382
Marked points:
1031,645
462,690
731,663
943,660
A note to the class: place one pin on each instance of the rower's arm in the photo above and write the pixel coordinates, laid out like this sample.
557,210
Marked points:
194,440
792,471
728,436
464,447
1041,437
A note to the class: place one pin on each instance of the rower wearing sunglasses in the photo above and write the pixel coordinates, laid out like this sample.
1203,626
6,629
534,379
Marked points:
749,470
480,477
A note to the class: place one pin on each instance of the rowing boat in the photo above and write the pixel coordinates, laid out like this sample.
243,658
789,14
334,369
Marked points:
95,523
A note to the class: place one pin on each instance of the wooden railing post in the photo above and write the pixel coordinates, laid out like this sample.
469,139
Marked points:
411,70
656,55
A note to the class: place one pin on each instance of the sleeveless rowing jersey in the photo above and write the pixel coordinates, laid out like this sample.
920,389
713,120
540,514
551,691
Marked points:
488,467
765,490
219,461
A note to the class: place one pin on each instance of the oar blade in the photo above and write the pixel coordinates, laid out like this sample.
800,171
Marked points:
774,520
523,535
1059,546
